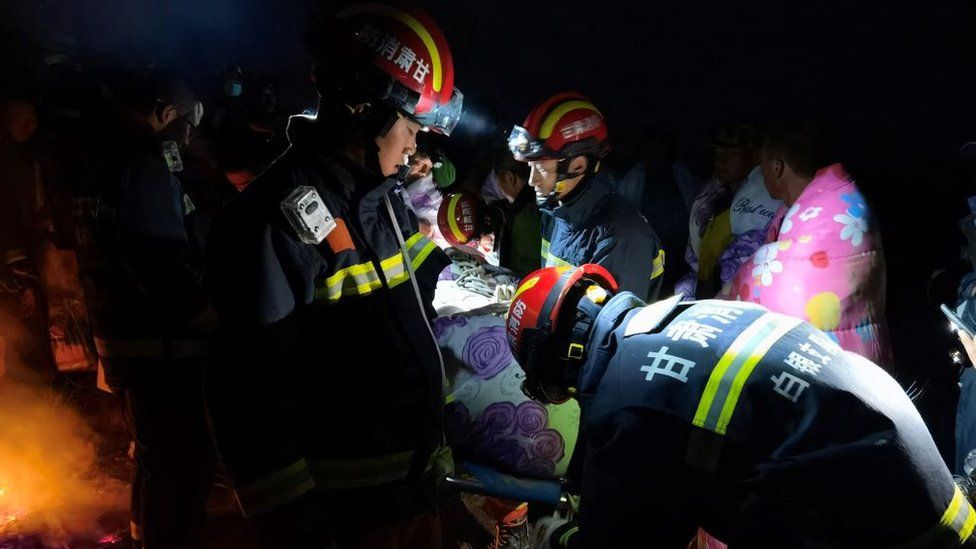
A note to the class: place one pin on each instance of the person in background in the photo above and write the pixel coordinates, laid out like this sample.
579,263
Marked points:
150,316
24,220
822,259
520,236
712,243
663,190
563,140
965,431
247,140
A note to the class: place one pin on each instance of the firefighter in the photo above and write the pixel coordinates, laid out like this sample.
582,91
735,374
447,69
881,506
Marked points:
326,389
148,308
753,425
563,140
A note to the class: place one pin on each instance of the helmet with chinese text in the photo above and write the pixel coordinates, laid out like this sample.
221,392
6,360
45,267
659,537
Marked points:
561,127
540,320
392,54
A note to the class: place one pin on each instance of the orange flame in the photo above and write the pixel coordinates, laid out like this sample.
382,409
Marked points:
49,482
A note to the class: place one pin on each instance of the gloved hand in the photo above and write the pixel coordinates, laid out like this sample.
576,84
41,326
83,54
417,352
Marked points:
542,532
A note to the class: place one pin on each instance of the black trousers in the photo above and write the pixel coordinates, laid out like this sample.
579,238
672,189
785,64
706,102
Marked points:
175,459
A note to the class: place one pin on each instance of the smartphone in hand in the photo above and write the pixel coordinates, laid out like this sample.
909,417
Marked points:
957,323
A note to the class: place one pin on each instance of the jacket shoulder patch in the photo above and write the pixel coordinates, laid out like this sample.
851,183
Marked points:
650,317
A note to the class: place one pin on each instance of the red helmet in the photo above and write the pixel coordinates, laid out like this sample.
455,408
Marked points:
416,70
460,218
463,218
561,127
541,308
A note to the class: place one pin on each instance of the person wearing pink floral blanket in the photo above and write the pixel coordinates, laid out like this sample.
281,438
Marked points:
822,261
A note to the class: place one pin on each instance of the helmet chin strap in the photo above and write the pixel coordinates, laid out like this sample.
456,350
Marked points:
563,176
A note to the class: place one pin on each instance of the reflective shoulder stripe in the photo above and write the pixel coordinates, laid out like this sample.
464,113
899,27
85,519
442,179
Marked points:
732,371
275,489
658,269
346,474
550,260
953,529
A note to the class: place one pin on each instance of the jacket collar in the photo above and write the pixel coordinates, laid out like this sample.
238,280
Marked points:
306,137
610,318
584,201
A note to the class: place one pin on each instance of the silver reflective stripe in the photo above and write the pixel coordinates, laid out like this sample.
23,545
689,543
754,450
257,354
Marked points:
550,260
347,474
358,279
419,248
275,489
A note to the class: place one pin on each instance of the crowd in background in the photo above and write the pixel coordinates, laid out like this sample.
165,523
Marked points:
728,228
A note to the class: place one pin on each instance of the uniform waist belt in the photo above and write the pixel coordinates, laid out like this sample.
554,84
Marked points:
148,348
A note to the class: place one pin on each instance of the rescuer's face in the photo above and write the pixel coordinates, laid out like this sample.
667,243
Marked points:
542,176
400,141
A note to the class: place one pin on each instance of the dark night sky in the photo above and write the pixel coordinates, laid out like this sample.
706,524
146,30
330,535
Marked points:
895,82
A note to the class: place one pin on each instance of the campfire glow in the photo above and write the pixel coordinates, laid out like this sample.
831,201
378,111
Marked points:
49,484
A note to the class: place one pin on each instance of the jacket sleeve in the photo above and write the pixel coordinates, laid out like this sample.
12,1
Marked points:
635,484
250,384
634,256
154,239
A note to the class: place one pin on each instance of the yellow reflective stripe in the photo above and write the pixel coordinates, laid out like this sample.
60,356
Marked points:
425,37
957,521
394,270
553,261
711,387
567,536
953,514
275,489
363,280
740,379
419,259
419,248
726,381
550,260
658,265
414,239
550,122
967,527
344,474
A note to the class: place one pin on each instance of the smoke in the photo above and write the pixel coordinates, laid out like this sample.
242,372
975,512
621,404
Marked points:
50,485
